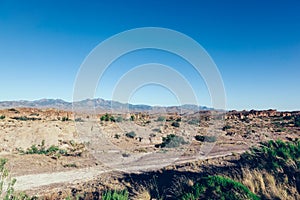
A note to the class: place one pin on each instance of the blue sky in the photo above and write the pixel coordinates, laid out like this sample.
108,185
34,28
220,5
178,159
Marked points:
255,44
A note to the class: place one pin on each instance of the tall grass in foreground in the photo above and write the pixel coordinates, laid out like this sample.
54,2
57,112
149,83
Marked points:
218,187
115,195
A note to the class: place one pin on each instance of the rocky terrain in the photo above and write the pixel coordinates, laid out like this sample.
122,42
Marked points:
56,153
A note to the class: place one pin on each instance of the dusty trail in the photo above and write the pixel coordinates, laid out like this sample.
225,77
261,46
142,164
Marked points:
35,181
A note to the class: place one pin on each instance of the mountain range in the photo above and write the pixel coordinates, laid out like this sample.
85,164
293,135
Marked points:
98,104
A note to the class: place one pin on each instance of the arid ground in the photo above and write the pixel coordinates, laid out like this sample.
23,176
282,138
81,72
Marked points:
55,153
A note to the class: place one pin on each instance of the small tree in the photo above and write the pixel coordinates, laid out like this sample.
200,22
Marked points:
4,180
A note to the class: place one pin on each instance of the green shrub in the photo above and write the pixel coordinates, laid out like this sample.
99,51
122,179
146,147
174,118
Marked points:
194,122
297,121
171,141
119,119
107,117
115,195
79,120
2,117
226,127
64,119
161,119
132,118
41,149
218,187
278,157
202,138
9,190
24,118
175,124
130,134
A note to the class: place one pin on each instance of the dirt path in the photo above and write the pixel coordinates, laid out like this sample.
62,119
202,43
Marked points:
35,181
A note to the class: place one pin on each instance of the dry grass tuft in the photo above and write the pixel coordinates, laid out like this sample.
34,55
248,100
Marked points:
264,183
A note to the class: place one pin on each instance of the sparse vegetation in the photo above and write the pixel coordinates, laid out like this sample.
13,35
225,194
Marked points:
79,120
161,119
172,141
53,150
194,122
117,136
132,118
4,179
276,156
297,121
130,134
7,191
226,127
107,117
202,138
24,118
218,187
64,119
119,119
115,195
2,117
70,165
175,124
13,110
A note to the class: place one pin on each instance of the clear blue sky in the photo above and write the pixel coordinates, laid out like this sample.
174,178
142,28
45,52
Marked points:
255,44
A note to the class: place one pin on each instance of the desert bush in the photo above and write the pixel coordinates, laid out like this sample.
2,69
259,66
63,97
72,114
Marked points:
226,127
115,195
161,119
119,119
13,110
218,187
175,124
297,121
117,136
64,119
2,117
287,117
24,118
41,149
172,141
158,130
132,118
130,134
194,122
79,120
202,138
107,117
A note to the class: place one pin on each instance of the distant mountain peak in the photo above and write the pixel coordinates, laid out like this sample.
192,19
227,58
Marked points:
97,104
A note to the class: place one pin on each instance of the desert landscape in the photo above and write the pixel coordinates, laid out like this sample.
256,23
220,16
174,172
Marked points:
149,100
58,154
